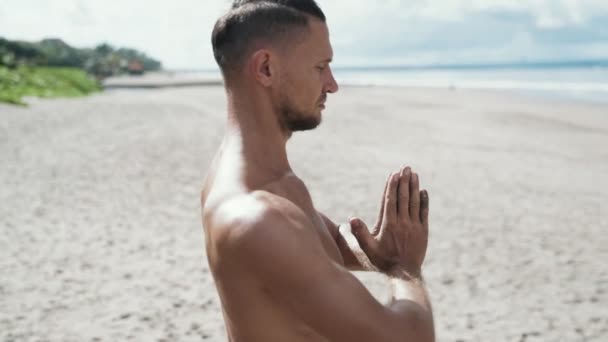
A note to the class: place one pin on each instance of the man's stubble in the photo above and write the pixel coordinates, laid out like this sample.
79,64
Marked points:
294,119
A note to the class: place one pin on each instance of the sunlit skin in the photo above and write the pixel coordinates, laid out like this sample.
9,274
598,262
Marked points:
281,268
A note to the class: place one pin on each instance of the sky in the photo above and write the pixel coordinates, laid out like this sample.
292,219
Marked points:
363,32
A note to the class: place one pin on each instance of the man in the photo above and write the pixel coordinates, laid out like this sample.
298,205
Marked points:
280,267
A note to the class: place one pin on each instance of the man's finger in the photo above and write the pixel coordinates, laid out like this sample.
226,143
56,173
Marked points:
362,234
404,193
424,208
390,200
414,198
381,213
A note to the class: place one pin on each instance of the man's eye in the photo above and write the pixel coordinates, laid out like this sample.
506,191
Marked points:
321,68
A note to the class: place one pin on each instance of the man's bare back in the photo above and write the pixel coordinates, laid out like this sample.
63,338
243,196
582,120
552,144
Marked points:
282,268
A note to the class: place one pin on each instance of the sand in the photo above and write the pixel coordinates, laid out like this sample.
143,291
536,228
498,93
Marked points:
101,240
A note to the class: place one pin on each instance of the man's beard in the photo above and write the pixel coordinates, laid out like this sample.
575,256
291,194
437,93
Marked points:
295,120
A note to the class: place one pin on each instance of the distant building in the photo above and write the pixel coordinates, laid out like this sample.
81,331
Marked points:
135,68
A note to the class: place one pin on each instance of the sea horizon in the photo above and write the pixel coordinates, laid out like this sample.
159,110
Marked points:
578,80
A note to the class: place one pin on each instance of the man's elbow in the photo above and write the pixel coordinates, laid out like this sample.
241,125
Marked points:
425,328
415,322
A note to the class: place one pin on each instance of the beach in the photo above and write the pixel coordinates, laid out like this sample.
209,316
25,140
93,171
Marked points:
101,237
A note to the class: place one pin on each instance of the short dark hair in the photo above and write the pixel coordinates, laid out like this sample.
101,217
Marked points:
251,20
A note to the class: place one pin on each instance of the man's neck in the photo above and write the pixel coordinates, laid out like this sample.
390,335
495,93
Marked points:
255,133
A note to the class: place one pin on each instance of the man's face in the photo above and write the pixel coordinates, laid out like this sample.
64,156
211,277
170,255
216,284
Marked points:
307,78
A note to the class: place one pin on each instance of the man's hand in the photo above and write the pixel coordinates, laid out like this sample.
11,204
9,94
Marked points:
399,239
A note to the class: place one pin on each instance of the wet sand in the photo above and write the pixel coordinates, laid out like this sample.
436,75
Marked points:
101,240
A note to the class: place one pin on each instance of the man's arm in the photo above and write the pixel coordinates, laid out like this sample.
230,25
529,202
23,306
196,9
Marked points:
354,257
283,254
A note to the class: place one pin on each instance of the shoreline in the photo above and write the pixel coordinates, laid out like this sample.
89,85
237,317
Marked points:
176,80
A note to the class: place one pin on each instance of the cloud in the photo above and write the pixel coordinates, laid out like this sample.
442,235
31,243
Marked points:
474,32
177,32
363,31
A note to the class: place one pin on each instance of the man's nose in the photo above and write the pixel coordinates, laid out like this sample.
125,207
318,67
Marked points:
332,85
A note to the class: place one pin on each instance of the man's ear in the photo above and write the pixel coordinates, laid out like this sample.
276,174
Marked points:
262,68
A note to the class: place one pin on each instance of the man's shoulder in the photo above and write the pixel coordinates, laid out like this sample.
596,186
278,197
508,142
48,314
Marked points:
255,219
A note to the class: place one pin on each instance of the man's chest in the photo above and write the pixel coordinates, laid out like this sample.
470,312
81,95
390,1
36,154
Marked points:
327,240
294,190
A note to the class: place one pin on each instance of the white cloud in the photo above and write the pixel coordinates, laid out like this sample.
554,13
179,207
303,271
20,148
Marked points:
178,31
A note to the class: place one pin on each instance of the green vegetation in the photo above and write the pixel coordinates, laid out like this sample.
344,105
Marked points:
44,82
101,61
52,68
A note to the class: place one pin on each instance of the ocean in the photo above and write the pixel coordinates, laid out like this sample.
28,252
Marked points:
589,84
583,81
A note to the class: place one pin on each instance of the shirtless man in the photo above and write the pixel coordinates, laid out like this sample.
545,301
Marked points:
281,268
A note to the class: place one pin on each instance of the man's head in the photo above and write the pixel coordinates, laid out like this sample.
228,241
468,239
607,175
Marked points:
283,46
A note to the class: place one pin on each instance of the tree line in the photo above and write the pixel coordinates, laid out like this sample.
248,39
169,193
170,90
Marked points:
101,61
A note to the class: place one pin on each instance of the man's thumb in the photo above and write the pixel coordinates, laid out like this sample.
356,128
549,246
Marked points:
362,234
